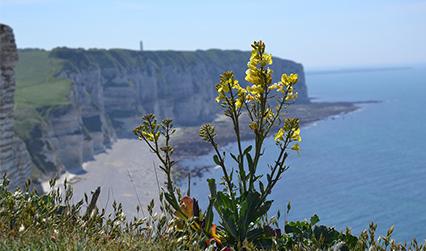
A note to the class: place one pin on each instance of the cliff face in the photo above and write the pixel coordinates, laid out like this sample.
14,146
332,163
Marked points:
179,85
14,158
111,89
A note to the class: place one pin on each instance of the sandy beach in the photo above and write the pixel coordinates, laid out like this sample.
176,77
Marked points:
125,173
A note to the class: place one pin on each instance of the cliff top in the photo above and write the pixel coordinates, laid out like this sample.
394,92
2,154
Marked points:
8,54
130,58
41,83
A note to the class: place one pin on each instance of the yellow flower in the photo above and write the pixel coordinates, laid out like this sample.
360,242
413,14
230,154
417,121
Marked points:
252,76
279,136
293,78
291,96
289,79
220,97
250,97
268,76
148,136
269,114
241,91
266,59
235,84
222,88
157,135
295,136
291,124
255,90
274,86
253,126
295,147
238,103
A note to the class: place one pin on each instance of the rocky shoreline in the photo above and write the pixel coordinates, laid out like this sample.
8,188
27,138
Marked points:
188,144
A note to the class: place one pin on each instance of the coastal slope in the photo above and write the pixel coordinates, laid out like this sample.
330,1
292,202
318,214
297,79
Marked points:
73,103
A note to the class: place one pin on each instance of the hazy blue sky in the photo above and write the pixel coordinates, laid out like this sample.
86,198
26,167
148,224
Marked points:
317,33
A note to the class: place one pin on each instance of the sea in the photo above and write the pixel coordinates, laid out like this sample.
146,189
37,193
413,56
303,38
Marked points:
357,168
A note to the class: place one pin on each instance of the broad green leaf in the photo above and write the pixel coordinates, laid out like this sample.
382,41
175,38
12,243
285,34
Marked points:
314,219
216,160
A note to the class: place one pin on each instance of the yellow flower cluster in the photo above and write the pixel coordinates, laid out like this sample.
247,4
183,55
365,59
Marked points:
228,83
150,136
286,86
148,130
261,78
255,73
292,128
259,75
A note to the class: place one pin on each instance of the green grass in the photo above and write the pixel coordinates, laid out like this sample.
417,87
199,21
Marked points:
36,84
78,240
37,87
29,221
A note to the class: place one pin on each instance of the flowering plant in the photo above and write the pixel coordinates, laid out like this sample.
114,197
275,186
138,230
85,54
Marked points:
241,202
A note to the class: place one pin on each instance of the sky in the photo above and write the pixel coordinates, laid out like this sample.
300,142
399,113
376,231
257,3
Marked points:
316,33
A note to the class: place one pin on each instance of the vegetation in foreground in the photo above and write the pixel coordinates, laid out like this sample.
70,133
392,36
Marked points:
29,221
240,200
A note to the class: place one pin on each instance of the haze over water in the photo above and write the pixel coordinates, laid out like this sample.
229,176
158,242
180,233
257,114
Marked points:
365,166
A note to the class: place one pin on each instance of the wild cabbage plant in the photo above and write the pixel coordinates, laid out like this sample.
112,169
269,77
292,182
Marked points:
242,200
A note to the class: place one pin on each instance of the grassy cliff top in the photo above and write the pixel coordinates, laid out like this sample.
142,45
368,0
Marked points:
36,84
37,87
123,58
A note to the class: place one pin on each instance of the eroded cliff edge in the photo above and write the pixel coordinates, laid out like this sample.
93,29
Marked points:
110,89
15,161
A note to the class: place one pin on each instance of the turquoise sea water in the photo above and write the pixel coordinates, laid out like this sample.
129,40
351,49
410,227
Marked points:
369,165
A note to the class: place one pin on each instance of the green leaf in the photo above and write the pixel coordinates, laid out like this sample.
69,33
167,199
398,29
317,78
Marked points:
292,228
255,234
223,202
235,157
247,150
188,192
229,226
171,200
261,187
327,234
209,216
216,160
263,209
250,163
212,187
314,219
